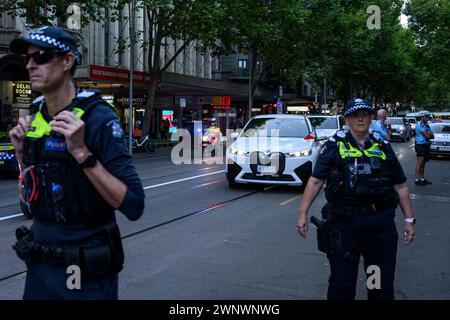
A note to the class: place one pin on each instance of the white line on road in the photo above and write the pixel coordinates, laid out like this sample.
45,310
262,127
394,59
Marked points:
11,216
148,187
185,179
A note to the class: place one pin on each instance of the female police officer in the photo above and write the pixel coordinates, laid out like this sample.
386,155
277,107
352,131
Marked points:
364,183
75,171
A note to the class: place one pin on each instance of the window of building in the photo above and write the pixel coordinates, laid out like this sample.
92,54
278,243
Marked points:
242,63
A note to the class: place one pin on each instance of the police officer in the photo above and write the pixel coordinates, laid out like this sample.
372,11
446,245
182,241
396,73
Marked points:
75,172
422,147
364,181
380,125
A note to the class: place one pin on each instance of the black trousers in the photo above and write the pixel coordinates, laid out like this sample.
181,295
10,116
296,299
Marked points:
46,281
377,239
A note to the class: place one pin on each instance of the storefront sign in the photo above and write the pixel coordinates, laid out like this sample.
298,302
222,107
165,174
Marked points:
22,92
109,98
221,102
116,74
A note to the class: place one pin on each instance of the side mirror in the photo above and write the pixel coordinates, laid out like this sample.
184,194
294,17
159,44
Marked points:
234,135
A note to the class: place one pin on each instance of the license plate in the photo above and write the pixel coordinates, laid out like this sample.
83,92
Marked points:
267,169
2,162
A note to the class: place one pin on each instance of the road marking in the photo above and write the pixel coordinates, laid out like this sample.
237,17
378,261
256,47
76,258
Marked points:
181,180
414,196
412,146
290,200
11,216
205,184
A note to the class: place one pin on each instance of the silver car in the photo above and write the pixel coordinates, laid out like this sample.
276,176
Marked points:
441,142
401,129
326,126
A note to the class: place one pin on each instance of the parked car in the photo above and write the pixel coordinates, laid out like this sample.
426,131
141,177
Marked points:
401,129
412,122
441,142
273,149
8,160
326,126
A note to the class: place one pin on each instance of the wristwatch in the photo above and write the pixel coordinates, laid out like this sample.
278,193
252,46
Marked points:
89,162
410,220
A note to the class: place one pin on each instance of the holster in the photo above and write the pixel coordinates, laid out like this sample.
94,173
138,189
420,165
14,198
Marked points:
323,234
24,246
332,241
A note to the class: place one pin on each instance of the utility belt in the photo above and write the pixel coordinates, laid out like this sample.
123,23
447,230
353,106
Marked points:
331,210
100,257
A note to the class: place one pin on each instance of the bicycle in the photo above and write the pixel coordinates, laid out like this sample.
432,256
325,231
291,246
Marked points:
145,145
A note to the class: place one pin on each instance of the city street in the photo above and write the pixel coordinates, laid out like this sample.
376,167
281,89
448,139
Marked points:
198,239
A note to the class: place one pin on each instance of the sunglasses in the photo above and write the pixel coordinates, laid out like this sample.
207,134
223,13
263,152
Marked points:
42,56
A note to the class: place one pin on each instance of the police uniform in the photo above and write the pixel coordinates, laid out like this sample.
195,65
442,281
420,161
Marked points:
360,207
73,224
74,227
380,127
422,145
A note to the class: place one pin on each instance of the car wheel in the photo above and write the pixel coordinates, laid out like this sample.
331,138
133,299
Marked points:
26,212
231,182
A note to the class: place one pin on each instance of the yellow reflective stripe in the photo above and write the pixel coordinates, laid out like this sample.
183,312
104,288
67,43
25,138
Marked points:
78,112
6,148
375,151
352,152
39,127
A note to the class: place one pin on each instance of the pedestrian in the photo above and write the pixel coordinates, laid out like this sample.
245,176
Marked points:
422,147
364,183
75,172
380,125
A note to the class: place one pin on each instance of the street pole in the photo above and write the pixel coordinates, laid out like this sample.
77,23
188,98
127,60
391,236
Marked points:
130,116
250,98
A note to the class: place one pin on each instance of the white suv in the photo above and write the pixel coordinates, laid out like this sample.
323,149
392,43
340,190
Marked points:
273,149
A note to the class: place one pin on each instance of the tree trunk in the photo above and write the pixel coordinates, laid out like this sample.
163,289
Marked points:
348,95
150,103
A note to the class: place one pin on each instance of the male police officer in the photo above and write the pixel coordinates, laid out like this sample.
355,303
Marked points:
364,183
422,147
380,125
75,171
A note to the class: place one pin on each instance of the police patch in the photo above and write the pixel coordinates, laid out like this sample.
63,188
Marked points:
53,144
116,128
376,135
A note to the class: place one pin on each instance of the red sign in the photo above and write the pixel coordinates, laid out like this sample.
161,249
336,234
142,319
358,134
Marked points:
221,102
117,75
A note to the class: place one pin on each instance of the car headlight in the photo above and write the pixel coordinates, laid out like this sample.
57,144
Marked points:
238,152
297,154
401,129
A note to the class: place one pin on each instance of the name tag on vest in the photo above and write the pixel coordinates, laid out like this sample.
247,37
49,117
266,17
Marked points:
53,144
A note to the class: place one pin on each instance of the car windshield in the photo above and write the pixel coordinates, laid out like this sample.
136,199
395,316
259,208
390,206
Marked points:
281,127
440,128
396,121
411,120
323,122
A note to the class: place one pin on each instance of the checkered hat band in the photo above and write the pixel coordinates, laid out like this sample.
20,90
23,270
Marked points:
52,41
357,107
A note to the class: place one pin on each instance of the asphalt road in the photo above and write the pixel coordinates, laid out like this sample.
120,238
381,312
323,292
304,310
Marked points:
200,240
